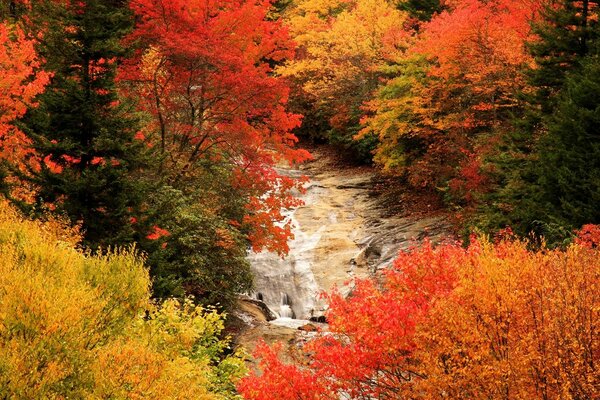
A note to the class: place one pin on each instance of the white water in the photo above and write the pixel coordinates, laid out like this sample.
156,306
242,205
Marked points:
287,285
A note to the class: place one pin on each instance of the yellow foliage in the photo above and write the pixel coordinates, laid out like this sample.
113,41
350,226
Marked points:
343,43
73,325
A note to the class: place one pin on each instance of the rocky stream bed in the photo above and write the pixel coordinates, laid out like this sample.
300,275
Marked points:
342,231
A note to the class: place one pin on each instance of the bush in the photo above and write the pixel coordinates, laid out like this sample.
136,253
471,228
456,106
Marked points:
491,321
73,325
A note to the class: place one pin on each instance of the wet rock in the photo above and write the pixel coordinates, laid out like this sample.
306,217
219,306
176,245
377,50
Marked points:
321,319
341,232
308,328
260,306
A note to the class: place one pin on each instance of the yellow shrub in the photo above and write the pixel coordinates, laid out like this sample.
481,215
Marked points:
73,325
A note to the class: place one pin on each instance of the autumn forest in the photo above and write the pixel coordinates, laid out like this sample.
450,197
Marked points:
144,146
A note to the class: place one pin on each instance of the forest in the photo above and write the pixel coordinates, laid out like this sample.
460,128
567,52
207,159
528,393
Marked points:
141,153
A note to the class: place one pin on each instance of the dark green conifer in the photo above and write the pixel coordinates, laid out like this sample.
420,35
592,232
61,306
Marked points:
80,123
565,34
569,153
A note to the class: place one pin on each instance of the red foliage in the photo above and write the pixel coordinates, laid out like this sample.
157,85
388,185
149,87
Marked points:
371,348
487,321
588,236
157,233
281,381
471,179
203,72
472,56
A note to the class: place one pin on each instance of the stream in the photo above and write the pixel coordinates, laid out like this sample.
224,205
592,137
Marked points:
340,232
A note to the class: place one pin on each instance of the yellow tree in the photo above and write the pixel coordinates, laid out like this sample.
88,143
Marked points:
343,46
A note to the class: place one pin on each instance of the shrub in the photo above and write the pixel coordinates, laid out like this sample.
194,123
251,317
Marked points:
76,325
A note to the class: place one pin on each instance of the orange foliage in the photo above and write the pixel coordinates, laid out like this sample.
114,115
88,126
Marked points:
477,51
456,84
486,321
20,81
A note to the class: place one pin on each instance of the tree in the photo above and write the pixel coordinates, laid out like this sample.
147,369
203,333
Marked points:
421,10
342,47
193,248
206,81
216,123
458,83
566,34
568,169
81,128
82,326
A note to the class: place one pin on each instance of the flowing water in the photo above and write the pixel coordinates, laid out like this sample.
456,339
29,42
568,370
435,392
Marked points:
339,233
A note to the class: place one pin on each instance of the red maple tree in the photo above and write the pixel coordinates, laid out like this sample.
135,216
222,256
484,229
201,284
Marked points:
203,71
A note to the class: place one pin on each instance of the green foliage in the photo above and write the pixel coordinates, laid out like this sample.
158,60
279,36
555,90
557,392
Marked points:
565,36
359,151
422,10
79,326
393,117
569,153
204,254
81,129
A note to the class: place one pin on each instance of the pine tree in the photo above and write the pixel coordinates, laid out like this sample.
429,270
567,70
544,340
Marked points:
81,126
565,34
569,154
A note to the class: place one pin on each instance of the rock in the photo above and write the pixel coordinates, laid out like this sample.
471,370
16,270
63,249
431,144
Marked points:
308,328
259,308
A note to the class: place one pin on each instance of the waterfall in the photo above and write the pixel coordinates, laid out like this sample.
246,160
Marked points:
285,310
287,285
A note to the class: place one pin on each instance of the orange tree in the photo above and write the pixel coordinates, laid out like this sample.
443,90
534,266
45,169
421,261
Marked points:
456,84
486,321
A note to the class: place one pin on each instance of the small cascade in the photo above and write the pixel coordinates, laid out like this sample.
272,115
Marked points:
278,280
285,310
339,233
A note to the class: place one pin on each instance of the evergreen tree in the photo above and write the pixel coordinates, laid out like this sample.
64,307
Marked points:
525,197
81,127
569,154
565,34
